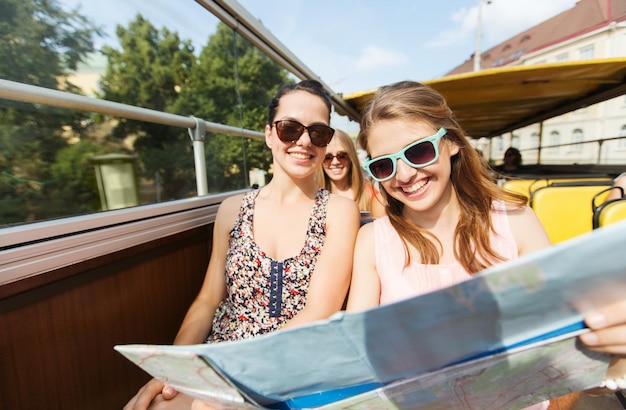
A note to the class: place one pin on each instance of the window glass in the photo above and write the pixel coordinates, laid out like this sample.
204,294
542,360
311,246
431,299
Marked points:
586,53
175,59
515,141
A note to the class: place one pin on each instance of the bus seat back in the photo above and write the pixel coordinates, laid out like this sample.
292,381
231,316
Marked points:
610,212
519,186
527,186
565,211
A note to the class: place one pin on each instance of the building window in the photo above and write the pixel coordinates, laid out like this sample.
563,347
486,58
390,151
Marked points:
517,54
515,141
562,57
586,53
555,139
577,139
525,38
534,140
499,144
622,133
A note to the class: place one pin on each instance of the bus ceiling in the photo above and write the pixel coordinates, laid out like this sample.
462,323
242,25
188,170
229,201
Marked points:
492,102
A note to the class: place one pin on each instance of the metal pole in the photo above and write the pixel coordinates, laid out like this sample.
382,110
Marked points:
197,135
479,33
540,143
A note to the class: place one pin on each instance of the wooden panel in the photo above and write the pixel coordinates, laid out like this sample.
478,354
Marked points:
57,339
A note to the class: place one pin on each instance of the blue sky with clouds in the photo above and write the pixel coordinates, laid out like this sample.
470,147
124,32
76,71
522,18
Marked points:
352,45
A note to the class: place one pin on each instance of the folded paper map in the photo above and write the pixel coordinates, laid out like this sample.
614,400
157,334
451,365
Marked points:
503,339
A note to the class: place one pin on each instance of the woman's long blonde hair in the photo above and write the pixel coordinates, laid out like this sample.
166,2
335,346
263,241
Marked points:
357,180
474,186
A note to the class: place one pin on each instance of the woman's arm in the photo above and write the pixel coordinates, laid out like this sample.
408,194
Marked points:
619,182
330,279
365,285
196,325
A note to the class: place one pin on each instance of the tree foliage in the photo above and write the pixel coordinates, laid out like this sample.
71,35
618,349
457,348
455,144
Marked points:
230,82
39,44
148,71
45,170
233,84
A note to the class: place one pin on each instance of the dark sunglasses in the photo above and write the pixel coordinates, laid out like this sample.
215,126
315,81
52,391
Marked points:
418,154
341,156
291,131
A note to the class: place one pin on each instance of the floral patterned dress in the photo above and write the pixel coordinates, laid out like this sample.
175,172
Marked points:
263,293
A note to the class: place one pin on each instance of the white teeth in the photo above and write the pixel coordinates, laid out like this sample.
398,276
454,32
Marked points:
414,188
299,155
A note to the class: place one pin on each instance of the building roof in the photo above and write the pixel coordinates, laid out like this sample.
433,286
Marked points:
585,17
508,94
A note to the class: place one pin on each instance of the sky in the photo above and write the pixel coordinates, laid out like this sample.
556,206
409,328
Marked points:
352,45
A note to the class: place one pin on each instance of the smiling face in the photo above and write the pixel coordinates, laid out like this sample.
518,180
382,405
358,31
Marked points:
338,167
419,189
298,159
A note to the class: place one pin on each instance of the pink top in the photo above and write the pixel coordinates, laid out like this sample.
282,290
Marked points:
398,282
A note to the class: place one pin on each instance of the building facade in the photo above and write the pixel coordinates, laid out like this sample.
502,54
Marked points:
592,29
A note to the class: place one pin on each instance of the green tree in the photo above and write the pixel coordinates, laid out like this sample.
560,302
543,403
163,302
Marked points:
232,84
74,177
40,43
148,71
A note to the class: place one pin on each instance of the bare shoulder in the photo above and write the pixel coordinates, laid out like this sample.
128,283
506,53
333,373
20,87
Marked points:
519,211
527,230
366,233
228,211
341,208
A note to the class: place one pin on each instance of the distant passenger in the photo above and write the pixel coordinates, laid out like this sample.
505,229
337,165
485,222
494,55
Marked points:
512,162
341,174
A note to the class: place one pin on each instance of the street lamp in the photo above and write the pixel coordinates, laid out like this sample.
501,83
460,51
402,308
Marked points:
117,180
478,33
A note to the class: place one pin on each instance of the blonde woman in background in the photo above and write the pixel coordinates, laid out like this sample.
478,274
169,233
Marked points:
341,174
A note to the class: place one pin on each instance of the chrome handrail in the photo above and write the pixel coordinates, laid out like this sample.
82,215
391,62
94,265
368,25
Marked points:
12,90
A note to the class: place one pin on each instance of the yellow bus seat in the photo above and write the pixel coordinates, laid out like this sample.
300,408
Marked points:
519,186
614,211
565,211
586,180
608,212
536,184
526,186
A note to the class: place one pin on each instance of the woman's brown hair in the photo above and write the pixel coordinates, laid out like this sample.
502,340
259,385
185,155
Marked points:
474,186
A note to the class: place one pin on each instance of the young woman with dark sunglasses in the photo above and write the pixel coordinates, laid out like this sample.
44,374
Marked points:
282,254
446,218
341,174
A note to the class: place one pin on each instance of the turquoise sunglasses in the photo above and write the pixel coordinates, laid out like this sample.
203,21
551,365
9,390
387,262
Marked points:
418,154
